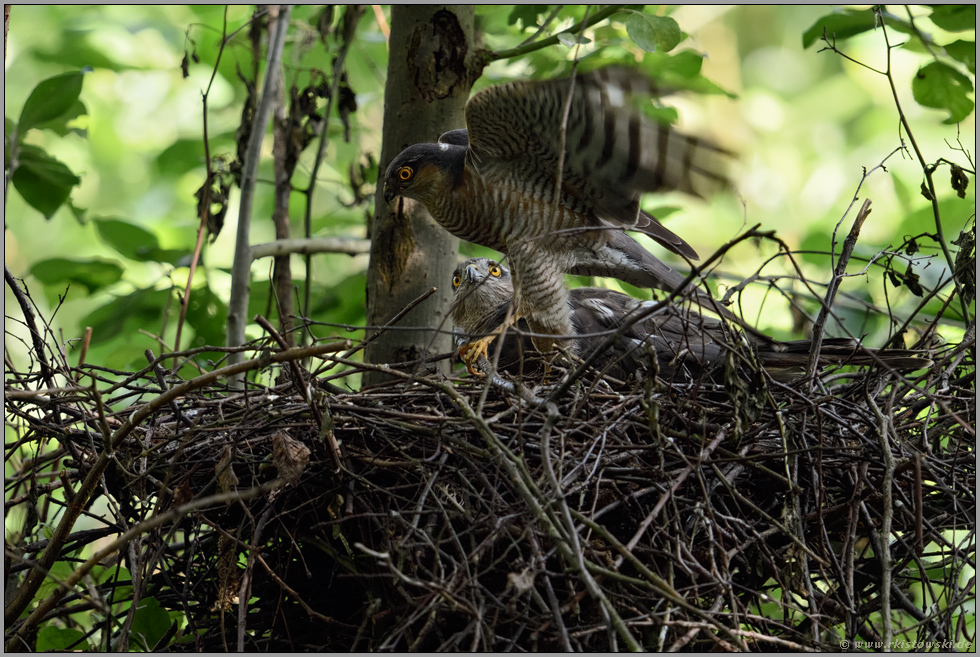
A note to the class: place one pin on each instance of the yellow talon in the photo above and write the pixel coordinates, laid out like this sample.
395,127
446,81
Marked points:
471,352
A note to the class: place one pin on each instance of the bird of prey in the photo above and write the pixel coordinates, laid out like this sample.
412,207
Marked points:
686,344
551,172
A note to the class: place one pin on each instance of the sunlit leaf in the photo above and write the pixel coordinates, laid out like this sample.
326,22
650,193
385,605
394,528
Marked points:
44,182
50,99
92,274
840,25
941,86
964,52
59,125
955,18
653,33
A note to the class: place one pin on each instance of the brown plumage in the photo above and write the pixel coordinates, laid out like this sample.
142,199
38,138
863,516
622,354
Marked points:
495,184
686,344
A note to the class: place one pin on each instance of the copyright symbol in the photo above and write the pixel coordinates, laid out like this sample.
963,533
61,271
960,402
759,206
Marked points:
845,644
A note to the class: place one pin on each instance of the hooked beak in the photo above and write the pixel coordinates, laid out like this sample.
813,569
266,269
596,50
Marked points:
389,194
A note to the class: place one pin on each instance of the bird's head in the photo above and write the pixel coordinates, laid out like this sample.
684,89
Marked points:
480,287
424,172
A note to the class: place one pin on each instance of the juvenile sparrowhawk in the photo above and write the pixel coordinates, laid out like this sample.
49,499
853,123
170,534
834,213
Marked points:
555,195
686,344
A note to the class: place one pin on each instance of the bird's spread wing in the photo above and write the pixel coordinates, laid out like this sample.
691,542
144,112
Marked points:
612,153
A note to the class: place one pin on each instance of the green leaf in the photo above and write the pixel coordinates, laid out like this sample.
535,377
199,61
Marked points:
952,210
653,33
150,623
662,115
964,52
44,182
955,18
685,64
8,135
207,314
941,86
60,126
182,156
93,274
815,247
59,639
141,307
840,25
50,99
130,240
78,213
680,71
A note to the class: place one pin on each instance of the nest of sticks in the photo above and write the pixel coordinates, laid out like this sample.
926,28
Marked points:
436,513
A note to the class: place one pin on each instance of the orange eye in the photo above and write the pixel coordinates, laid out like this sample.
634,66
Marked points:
495,271
405,173
456,281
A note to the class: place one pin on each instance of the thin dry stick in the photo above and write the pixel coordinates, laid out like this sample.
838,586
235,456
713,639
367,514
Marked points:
18,640
845,256
28,589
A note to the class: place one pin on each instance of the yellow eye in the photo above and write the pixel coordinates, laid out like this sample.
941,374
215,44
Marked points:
495,271
405,173
456,281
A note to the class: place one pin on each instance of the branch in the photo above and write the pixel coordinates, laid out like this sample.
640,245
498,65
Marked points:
238,304
316,245
523,49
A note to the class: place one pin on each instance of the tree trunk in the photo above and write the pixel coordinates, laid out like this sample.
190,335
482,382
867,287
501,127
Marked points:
430,51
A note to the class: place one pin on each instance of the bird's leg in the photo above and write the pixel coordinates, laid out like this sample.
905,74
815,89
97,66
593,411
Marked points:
470,352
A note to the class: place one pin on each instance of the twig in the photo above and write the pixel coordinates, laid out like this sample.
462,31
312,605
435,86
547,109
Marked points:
845,255
47,373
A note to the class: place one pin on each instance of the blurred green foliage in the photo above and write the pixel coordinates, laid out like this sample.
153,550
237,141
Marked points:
104,134
119,150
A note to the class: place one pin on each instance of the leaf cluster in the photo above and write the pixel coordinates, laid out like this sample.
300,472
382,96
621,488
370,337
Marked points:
940,84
